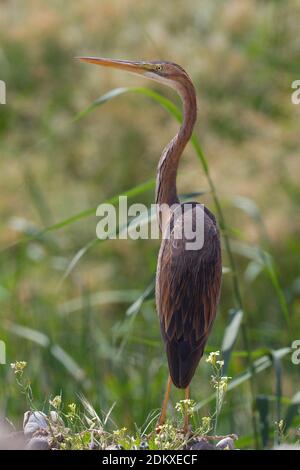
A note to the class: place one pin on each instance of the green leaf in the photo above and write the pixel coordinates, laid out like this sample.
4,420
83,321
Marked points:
57,351
33,233
70,365
262,405
230,335
293,411
165,102
132,192
278,382
264,259
28,333
78,257
248,206
252,271
146,295
271,270
103,99
99,298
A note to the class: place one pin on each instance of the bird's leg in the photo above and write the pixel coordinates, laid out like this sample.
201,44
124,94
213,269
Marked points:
163,413
186,416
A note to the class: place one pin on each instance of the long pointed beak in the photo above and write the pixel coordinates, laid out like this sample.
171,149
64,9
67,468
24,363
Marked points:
135,67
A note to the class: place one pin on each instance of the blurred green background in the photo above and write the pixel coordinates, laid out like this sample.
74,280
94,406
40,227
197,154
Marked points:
71,326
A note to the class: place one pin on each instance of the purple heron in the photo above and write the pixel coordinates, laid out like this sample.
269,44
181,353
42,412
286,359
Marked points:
187,281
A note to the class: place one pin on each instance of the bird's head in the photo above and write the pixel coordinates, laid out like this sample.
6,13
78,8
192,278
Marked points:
164,72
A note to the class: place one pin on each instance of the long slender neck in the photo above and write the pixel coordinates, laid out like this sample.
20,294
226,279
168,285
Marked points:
166,191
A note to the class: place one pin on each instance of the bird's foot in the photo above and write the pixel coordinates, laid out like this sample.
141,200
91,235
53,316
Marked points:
159,428
187,430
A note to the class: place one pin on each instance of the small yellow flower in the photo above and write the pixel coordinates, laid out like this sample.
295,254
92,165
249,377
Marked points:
72,408
120,432
56,402
166,437
206,424
186,407
18,367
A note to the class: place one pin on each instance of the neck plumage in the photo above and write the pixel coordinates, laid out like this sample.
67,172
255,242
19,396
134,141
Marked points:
166,191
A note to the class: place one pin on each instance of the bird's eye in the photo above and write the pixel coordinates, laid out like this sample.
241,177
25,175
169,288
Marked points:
159,68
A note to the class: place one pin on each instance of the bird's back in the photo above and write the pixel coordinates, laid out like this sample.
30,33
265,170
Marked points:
187,292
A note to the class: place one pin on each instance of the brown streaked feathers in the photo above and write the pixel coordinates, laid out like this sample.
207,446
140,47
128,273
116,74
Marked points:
187,294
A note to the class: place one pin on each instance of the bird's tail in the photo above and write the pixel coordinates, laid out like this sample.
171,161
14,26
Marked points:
182,362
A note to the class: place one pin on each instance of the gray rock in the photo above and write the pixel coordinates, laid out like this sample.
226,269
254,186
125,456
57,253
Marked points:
114,447
201,444
34,421
38,443
94,446
12,440
226,443
55,418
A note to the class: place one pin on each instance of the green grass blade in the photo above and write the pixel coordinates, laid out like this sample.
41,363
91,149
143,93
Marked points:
262,405
57,351
293,411
230,335
27,333
132,192
164,102
263,258
278,389
99,298
146,295
98,102
34,233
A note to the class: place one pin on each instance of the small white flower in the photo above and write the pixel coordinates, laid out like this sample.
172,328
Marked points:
212,358
186,406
